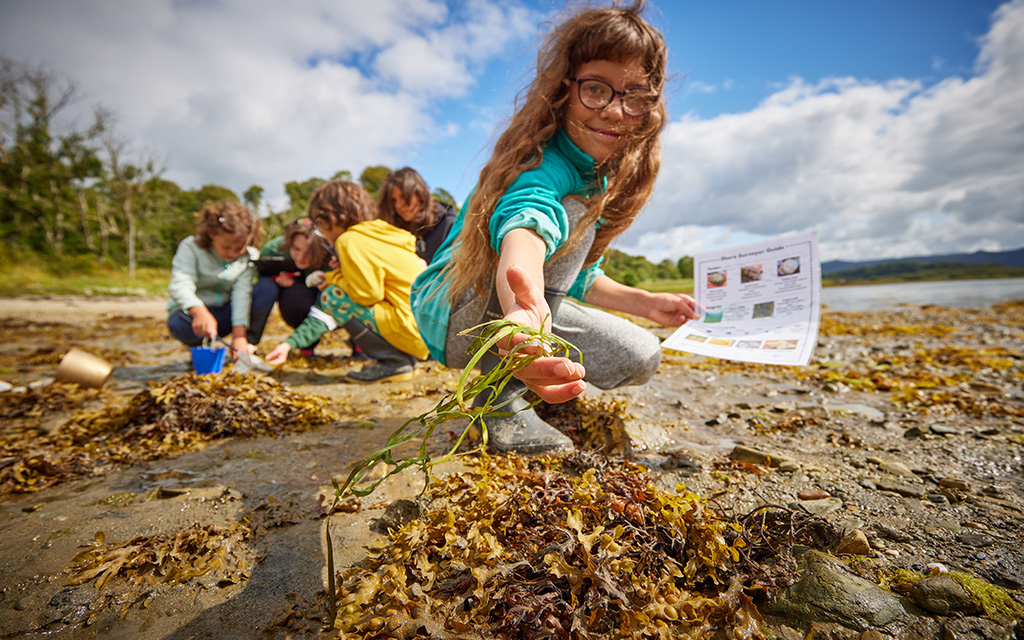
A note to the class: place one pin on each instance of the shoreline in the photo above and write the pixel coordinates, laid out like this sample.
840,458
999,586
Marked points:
86,309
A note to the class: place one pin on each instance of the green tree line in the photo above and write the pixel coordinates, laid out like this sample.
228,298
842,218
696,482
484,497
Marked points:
75,193
632,270
914,271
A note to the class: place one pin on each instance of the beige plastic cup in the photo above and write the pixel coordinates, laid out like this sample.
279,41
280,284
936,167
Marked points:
83,369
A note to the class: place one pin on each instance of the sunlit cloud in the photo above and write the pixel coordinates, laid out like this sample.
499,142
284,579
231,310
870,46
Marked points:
879,169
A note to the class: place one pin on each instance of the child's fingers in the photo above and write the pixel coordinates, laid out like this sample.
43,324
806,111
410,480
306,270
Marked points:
554,394
551,371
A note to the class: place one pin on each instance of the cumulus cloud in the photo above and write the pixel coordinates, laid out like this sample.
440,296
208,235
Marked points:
879,169
243,92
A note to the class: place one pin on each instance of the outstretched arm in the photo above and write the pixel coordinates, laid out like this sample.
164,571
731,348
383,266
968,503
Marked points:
521,292
667,309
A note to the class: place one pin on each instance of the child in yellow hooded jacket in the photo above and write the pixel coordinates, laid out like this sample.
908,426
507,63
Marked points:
368,292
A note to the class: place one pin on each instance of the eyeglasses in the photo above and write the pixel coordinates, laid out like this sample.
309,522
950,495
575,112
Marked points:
325,242
598,94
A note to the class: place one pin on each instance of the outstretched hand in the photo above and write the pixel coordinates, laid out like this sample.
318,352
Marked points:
672,309
554,379
279,354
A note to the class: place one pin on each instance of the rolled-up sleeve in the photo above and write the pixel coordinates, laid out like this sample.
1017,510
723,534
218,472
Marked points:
585,280
534,201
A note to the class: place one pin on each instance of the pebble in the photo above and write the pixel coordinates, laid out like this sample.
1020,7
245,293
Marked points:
914,432
953,483
941,430
975,539
943,595
897,469
854,543
936,567
938,498
901,488
813,494
821,507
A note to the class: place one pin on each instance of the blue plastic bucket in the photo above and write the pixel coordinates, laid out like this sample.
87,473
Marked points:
208,359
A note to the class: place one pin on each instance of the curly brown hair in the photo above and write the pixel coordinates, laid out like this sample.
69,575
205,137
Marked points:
227,216
411,184
618,34
342,203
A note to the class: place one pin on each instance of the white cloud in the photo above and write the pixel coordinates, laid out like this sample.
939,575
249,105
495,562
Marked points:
243,92
879,169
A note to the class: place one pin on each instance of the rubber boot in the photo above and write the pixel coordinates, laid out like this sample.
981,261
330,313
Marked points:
264,296
524,431
388,364
257,322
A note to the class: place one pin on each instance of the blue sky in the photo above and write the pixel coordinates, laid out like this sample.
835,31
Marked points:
891,128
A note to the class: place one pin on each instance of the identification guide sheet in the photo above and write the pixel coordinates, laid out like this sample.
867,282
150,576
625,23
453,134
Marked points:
760,302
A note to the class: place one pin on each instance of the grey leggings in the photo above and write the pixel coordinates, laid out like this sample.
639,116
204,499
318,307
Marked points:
615,351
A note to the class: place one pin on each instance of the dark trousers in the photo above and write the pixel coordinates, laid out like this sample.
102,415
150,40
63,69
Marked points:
264,294
294,302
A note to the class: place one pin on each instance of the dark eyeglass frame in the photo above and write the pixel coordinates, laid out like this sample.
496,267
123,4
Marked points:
622,95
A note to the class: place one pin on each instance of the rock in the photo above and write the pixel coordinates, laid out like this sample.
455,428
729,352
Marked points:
902,488
813,494
827,592
979,628
854,543
975,539
936,567
787,465
872,414
896,469
891,533
872,634
741,453
789,633
821,507
747,454
943,595
985,387
954,483
942,525
914,432
941,430
813,411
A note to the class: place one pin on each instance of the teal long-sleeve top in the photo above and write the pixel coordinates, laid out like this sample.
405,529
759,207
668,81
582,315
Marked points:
533,201
200,277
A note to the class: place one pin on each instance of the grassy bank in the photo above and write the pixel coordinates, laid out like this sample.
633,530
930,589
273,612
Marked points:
79,277
672,286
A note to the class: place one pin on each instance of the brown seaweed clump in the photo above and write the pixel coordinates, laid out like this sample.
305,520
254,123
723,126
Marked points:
530,548
166,419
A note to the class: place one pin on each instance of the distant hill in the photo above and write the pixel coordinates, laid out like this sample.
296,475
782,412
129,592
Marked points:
1014,258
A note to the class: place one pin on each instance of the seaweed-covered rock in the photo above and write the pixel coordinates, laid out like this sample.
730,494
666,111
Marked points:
827,592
